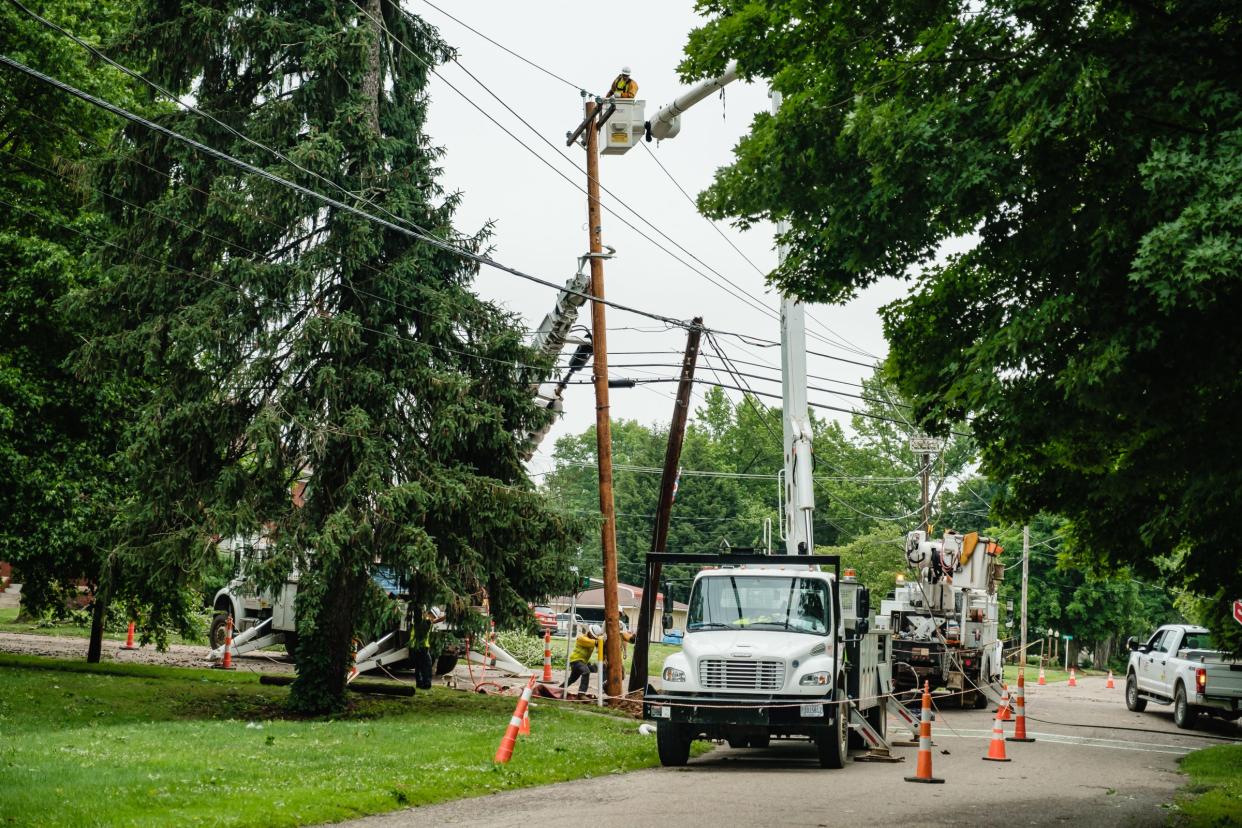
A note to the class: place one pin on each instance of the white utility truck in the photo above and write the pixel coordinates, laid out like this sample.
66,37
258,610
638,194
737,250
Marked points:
1179,665
776,646
945,621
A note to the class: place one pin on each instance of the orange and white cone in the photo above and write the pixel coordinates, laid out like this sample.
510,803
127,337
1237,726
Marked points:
547,656
1109,685
1002,711
1073,682
227,663
1042,681
923,771
996,750
524,730
1019,727
505,751
129,638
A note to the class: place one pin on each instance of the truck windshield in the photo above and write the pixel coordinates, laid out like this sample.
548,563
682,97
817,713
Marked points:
759,602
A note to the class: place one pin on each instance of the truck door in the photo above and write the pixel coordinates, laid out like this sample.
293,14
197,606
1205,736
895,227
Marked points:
1146,661
1163,672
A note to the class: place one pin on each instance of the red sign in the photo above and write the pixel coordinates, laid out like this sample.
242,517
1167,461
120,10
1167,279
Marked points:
1237,611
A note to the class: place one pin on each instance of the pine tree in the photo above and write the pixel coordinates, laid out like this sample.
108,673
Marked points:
295,343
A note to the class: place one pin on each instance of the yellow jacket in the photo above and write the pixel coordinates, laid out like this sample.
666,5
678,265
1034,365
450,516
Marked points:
623,88
584,648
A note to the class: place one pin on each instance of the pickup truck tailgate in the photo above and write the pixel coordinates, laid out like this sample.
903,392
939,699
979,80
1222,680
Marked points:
1224,679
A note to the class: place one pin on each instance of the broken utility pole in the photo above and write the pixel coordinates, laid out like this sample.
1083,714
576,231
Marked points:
668,481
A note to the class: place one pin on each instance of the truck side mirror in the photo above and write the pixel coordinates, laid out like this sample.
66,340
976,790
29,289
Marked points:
667,621
863,610
1131,644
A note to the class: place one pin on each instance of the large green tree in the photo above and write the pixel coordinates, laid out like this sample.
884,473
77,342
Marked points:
58,431
290,342
1091,152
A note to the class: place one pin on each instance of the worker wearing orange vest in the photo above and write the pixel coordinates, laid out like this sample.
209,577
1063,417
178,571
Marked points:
623,86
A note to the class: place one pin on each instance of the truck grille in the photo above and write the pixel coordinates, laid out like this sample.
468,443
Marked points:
739,674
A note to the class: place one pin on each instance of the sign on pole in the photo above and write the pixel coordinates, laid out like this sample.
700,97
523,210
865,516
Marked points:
1237,611
923,444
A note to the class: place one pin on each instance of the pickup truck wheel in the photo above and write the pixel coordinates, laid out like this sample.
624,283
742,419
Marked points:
760,741
1133,702
1184,714
672,743
737,742
832,742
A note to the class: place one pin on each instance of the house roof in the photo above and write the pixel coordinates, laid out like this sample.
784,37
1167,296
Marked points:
628,595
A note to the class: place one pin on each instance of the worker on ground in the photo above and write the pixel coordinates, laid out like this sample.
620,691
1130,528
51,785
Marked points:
580,660
623,86
420,646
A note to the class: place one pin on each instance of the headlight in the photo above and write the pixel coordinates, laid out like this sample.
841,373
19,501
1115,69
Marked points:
819,679
673,674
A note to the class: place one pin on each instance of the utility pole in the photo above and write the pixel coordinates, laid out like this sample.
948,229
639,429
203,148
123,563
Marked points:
664,508
1026,562
925,476
603,423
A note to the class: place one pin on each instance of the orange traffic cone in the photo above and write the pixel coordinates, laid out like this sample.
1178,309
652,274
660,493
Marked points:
1042,680
505,751
1019,727
547,656
227,663
1108,685
996,750
524,730
923,771
1002,711
1073,682
129,638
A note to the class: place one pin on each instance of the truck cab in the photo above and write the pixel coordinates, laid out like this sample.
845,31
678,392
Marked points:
769,653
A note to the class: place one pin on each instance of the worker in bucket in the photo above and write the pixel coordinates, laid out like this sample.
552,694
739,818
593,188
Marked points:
580,660
623,86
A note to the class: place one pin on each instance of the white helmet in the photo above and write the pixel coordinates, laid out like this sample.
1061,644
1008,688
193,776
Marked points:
625,70
595,631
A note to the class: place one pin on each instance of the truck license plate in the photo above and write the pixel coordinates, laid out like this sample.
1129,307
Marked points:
808,710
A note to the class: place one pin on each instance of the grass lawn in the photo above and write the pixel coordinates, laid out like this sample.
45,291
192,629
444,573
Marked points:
1214,794
121,743
69,629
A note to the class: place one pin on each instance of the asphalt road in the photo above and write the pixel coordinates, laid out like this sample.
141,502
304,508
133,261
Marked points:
1072,775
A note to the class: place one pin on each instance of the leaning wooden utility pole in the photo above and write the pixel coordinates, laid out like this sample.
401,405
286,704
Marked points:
664,508
603,425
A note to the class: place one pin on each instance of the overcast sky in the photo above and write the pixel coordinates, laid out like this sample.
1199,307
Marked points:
540,218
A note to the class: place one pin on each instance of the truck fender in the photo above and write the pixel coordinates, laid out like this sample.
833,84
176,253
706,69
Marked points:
226,602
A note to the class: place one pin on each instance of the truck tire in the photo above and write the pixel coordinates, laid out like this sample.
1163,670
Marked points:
832,742
672,743
218,623
980,700
1185,715
737,742
760,741
445,663
1133,702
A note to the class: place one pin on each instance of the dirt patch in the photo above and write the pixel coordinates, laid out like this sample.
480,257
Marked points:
177,655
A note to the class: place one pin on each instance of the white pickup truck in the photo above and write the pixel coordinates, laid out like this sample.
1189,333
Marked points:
1178,665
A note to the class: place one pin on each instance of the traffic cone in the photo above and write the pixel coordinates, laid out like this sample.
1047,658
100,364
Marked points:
1073,682
923,771
524,730
1002,711
1019,727
129,638
547,656
996,750
227,663
1108,685
1042,680
505,751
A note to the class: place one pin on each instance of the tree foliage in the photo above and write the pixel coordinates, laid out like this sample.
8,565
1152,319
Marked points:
58,431
288,343
1092,153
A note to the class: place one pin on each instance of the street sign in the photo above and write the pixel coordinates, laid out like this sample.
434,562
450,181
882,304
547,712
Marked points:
1067,637
1237,611
922,444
